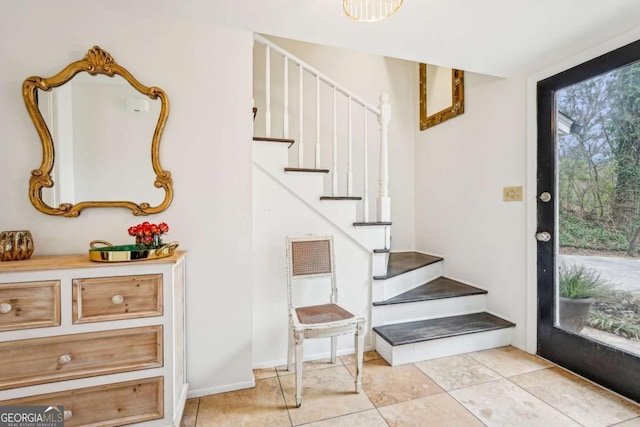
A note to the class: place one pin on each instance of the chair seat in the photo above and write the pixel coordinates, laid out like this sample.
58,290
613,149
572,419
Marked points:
322,314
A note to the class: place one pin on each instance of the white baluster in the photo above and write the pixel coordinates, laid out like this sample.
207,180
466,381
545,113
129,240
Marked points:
301,121
349,151
285,117
334,173
317,121
267,92
384,202
365,165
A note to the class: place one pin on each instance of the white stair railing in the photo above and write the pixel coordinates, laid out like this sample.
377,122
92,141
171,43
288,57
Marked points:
382,112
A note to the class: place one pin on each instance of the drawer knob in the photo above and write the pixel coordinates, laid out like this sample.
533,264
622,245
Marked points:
5,307
65,359
67,414
117,299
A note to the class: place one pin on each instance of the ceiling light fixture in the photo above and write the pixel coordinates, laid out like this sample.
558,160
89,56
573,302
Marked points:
370,10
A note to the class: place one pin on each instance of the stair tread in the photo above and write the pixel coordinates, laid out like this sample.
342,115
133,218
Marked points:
340,198
403,262
432,329
306,170
381,251
283,140
439,288
368,224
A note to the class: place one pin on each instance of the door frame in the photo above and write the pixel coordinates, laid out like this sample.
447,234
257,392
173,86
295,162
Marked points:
574,352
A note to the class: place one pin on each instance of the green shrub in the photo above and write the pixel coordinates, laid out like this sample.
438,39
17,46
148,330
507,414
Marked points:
585,233
625,326
578,281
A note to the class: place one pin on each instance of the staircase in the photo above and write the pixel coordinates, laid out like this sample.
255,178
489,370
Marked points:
270,157
417,313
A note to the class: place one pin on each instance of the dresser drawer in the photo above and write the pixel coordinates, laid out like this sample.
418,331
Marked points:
113,298
43,360
108,405
29,305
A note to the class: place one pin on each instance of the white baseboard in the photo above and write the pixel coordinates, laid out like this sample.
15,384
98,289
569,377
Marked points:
220,389
180,406
269,364
310,357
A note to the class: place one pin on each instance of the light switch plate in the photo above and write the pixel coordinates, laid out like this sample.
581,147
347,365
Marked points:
512,194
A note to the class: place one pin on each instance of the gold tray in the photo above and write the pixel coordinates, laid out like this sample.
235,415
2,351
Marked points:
123,253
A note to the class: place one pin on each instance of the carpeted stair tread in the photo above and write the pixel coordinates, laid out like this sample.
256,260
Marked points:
432,329
403,262
439,288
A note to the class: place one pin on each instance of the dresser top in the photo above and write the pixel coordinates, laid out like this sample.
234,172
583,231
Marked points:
60,262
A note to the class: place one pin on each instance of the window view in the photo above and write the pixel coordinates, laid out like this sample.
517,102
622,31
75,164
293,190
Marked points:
598,143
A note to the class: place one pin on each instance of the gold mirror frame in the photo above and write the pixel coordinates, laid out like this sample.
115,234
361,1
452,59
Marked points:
457,97
96,61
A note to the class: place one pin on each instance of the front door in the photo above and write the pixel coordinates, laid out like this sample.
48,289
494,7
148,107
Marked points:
589,220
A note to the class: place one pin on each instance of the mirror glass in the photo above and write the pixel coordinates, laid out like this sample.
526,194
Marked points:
441,94
438,88
101,128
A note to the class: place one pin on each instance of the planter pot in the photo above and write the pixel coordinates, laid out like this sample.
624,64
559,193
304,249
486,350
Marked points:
574,313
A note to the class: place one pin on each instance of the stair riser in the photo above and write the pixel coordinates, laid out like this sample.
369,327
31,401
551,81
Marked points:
423,310
341,212
389,288
380,261
272,158
270,155
303,183
371,237
451,346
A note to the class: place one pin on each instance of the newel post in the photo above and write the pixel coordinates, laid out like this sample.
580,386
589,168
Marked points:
384,202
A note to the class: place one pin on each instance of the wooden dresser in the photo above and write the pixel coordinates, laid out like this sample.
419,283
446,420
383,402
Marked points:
104,340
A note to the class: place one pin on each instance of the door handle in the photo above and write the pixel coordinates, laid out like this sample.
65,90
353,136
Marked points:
543,236
545,197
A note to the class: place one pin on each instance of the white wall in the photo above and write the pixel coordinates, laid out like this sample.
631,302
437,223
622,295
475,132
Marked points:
278,213
461,167
206,72
367,76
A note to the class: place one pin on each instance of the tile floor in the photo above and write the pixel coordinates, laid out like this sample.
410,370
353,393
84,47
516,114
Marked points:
497,387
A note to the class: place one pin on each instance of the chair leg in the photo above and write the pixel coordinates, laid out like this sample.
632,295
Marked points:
359,344
299,338
290,348
334,349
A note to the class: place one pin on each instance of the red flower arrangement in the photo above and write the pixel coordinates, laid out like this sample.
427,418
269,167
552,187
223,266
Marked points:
148,236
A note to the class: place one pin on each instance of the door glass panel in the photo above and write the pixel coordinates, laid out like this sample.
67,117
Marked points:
598,179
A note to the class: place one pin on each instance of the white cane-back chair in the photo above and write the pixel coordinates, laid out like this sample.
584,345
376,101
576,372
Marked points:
311,258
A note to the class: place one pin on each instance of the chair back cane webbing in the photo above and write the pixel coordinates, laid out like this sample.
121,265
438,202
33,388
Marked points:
311,257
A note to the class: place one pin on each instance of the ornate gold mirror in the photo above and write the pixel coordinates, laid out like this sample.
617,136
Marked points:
441,94
95,122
